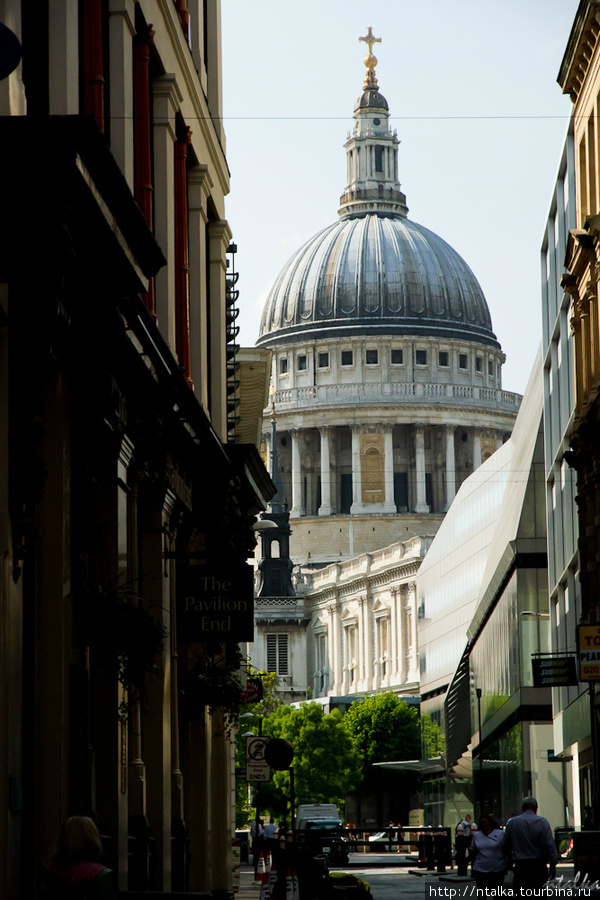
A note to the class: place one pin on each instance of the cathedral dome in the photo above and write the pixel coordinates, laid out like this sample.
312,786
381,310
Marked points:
376,274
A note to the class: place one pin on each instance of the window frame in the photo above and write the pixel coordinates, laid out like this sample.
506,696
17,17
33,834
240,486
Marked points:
278,653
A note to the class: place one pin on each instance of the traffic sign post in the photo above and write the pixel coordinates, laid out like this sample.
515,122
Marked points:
257,768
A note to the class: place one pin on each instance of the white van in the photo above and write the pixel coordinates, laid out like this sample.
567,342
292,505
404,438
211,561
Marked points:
310,811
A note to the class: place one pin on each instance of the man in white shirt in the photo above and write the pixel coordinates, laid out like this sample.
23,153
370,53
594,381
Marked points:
462,841
529,846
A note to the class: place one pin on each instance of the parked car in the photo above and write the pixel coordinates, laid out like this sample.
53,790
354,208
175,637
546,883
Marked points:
326,837
380,841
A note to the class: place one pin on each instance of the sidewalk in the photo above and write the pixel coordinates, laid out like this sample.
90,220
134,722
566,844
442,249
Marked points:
389,880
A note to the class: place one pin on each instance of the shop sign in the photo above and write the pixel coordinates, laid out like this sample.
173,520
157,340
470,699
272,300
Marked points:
588,647
253,692
554,671
215,605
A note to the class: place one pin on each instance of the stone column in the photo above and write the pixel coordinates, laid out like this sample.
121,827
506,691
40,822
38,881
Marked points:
499,441
410,642
361,638
63,57
450,466
421,504
122,29
297,509
357,504
335,647
388,470
394,626
476,449
368,643
325,507
198,192
166,97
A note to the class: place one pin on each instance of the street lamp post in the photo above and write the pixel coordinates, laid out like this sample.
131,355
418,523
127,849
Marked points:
480,791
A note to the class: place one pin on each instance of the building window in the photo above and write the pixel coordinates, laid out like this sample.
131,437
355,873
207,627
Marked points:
302,363
277,653
421,357
490,368
443,358
323,360
322,667
397,356
478,364
347,357
462,361
283,363
351,653
382,641
379,159
372,357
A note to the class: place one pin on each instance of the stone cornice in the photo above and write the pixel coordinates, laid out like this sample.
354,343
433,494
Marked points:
399,572
580,49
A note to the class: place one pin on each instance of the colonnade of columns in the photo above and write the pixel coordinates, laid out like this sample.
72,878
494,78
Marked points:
400,649
418,464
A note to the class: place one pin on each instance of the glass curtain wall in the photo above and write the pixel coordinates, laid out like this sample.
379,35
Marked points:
500,665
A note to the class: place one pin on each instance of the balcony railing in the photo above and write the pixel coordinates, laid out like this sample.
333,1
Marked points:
394,392
279,608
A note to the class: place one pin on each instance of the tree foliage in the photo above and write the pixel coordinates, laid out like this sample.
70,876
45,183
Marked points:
383,728
326,767
432,738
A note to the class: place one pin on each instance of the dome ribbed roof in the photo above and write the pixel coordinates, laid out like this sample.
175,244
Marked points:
376,275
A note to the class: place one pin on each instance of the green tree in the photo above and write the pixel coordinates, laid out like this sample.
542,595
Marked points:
326,767
432,738
383,728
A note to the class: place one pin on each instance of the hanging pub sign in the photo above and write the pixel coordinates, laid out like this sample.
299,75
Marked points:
217,605
588,649
554,671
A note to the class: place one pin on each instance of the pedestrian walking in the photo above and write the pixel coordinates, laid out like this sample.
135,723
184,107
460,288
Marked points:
270,831
391,830
258,842
75,868
487,854
462,842
529,847
400,838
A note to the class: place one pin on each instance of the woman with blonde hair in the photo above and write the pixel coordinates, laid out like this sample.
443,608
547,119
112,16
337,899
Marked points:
75,869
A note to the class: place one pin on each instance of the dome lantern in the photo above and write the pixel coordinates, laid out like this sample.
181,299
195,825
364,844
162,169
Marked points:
372,152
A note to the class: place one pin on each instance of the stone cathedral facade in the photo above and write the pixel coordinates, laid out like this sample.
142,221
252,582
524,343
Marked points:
386,390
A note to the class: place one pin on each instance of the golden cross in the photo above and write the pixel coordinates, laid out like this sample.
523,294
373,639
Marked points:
370,40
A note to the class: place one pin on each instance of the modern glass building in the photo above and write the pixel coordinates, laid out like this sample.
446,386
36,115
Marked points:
483,596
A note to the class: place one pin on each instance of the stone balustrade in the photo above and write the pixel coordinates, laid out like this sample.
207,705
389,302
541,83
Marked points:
279,608
391,392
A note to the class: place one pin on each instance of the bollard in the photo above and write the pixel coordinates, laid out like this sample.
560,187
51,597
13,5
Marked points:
421,849
440,856
429,852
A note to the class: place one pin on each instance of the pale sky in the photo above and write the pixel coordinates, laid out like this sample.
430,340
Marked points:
472,90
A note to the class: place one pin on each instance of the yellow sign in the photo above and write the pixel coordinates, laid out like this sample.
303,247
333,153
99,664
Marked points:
588,640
